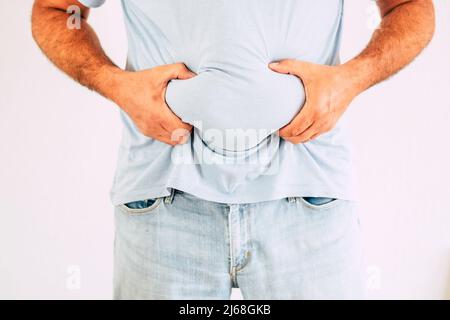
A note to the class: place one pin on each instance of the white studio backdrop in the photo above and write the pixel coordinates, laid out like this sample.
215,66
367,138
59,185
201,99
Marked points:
59,142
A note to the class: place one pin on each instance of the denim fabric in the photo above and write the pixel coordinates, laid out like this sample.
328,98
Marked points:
182,247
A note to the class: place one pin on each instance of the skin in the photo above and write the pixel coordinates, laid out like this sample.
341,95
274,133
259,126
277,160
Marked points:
78,53
405,30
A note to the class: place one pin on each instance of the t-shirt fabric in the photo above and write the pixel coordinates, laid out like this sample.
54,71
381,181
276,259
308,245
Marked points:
235,103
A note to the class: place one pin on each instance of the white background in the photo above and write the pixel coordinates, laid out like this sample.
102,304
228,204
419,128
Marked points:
58,145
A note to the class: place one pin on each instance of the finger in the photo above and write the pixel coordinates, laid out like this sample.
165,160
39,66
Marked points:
301,69
324,127
176,129
175,132
161,134
307,135
178,136
287,66
292,140
181,136
315,136
175,71
172,123
297,126
170,120
166,140
170,116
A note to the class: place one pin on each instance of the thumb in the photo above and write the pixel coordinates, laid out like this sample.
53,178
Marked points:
300,69
175,71
284,66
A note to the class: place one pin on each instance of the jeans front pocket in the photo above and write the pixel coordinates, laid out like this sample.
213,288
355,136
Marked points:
320,203
140,207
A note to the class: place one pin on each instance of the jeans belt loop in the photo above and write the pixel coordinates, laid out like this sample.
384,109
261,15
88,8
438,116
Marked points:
292,199
169,199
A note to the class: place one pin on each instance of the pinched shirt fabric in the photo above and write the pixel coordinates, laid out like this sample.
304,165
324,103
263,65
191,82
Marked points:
235,103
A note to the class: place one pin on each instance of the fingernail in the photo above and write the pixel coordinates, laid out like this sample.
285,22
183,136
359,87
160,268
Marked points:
274,64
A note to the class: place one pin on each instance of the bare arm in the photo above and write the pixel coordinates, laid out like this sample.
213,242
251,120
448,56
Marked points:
406,29
78,53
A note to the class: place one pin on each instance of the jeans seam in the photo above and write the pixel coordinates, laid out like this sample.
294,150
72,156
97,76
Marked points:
232,269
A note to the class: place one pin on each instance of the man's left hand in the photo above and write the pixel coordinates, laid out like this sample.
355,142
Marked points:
329,91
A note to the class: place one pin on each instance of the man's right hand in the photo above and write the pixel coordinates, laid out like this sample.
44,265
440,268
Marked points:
78,53
141,95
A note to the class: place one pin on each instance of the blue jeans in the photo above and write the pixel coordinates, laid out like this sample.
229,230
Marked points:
182,247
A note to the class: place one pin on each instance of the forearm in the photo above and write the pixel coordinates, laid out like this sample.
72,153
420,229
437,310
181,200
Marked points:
77,52
403,33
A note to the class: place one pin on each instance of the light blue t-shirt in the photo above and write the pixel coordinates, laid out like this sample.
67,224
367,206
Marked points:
235,103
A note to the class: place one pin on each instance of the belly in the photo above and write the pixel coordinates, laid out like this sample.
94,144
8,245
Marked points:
235,102
236,111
